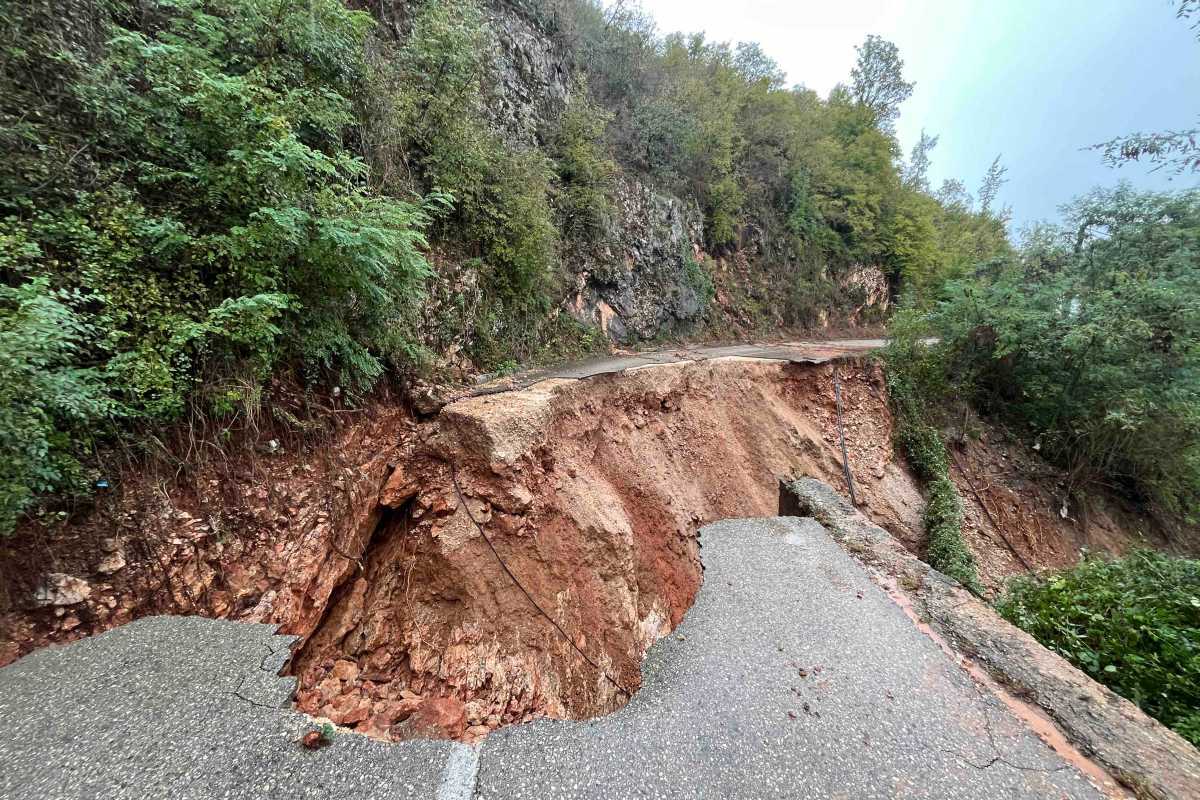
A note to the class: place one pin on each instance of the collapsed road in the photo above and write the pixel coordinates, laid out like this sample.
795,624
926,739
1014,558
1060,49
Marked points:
793,675
572,573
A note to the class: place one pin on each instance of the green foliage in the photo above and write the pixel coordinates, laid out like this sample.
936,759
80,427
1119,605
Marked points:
989,187
855,180
428,131
230,227
913,243
46,400
699,278
1090,338
585,172
811,186
1177,150
186,181
916,174
877,80
227,190
917,384
1132,624
945,547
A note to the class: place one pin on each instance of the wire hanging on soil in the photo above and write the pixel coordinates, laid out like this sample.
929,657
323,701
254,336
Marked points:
524,591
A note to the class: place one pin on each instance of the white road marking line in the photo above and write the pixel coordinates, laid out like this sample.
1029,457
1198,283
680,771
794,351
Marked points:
458,778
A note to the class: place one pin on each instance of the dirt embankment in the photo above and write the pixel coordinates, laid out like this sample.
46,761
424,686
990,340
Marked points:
1019,516
591,491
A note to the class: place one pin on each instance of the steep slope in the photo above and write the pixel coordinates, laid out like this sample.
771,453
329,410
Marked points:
592,493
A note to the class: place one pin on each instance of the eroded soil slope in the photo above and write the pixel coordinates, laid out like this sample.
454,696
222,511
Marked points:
372,549
591,492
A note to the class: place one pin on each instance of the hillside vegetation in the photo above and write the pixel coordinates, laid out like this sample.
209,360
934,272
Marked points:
202,200
1131,623
1085,340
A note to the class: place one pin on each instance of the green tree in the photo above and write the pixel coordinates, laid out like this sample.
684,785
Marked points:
989,188
586,173
1090,336
877,80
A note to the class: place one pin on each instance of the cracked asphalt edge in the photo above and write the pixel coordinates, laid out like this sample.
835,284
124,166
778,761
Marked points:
1141,753
796,352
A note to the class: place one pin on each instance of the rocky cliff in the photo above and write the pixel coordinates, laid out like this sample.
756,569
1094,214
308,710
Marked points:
532,82
640,281
643,281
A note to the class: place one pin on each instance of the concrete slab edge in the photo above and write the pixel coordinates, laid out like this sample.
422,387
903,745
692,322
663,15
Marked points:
1144,755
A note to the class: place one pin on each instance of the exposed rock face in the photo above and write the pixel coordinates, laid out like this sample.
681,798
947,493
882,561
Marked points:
870,293
637,284
642,279
642,282
532,83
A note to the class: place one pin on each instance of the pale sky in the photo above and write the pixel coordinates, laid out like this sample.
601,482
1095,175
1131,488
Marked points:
1032,81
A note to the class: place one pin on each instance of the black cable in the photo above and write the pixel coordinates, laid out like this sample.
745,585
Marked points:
524,591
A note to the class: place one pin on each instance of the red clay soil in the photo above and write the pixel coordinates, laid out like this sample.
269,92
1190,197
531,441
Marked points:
591,491
1019,516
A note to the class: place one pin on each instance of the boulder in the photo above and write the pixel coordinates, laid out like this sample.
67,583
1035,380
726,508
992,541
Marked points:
435,718
61,589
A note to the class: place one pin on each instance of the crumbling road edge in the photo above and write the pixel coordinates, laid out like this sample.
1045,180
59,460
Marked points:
1149,758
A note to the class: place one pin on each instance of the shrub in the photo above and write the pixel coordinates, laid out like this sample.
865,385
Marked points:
1090,340
699,277
221,225
1132,624
185,217
944,545
428,128
48,405
917,388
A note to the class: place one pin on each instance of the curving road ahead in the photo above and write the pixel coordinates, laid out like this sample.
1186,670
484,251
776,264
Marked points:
802,351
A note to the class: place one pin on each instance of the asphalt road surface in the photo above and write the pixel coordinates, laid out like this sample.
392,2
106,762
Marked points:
793,676
801,352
